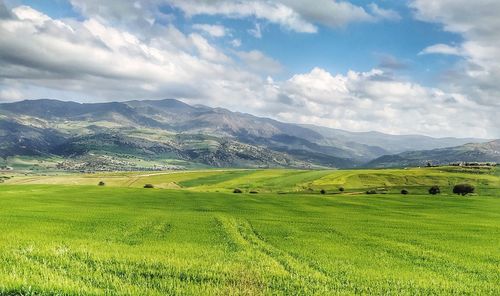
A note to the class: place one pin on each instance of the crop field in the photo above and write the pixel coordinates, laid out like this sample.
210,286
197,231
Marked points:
190,235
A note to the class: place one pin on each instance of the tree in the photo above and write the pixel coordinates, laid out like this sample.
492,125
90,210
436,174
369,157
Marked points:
434,190
404,192
149,186
322,191
463,189
341,189
237,190
101,183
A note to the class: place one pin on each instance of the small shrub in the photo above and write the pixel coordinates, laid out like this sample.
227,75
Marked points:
322,191
237,190
253,192
371,192
101,183
149,186
463,189
341,189
404,192
434,190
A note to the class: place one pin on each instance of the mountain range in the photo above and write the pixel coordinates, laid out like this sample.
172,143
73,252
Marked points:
170,133
473,152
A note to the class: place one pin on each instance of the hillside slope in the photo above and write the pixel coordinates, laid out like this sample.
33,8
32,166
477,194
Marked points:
472,152
390,143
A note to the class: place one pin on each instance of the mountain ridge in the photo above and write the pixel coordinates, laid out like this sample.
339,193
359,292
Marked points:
471,152
199,134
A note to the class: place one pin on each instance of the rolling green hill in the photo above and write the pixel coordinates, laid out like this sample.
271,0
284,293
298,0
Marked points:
281,180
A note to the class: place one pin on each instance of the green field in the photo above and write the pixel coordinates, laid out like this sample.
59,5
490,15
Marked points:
64,235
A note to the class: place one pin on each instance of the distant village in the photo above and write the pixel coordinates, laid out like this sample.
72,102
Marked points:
474,164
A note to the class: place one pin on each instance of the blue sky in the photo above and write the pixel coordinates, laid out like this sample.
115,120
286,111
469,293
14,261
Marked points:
354,65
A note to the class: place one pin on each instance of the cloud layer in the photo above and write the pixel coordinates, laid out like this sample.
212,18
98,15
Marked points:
296,15
376,101
478,22
108,63
107,56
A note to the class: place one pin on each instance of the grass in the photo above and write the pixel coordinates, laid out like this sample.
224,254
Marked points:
74,239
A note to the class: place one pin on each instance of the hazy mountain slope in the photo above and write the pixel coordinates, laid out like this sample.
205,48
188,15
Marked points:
217,121
472,152
206,150
53,110
390,143
18,139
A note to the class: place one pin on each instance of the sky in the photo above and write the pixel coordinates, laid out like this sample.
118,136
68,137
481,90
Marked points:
394,66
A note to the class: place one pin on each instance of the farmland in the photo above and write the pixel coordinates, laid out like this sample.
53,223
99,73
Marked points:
190,235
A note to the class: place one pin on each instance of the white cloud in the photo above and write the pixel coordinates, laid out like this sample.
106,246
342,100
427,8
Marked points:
11,94
256,32
235,42
212,30
295,15
381,13
339,13
477,75
207,51
272,11
330,13
478,19
94,60
138,14
257,61
362,101
441,49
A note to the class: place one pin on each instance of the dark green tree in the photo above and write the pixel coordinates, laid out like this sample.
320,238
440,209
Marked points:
434,190
463,189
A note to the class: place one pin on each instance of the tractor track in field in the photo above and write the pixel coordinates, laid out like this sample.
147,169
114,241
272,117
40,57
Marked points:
131,181
25,181
242,236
